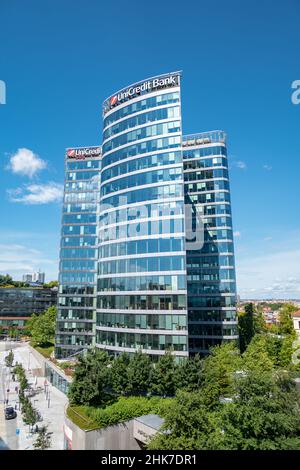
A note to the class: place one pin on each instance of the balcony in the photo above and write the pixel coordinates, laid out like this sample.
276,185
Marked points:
204,138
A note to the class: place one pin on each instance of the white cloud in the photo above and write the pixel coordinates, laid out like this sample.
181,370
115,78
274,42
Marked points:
37,193
25,162
267,239
237,234
267,167
274,275
16,259
240,164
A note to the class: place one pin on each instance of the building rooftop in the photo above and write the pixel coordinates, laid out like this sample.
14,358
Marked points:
151,420
296,314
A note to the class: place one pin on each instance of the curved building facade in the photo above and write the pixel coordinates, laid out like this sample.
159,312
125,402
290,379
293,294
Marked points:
142,290
211,279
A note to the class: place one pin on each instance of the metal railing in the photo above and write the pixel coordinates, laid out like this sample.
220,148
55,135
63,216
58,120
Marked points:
204,138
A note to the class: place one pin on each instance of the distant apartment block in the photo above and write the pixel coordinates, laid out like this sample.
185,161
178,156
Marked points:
36,276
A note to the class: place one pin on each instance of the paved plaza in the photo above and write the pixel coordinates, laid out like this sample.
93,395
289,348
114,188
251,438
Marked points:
48,400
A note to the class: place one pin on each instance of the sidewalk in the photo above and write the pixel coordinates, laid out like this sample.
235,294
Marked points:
51,405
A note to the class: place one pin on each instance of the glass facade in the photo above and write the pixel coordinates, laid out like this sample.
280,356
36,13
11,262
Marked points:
210,269
129,278
75,328
141,291
57,378
18,304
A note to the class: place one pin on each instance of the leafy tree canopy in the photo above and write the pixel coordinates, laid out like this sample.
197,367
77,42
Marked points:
91,378
246,326
139,371
264,414
42,327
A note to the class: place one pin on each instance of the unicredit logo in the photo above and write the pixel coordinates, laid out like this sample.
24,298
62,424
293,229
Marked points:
85,152
113,100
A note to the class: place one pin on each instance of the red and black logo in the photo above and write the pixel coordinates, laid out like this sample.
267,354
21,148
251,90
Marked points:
113,100
71,153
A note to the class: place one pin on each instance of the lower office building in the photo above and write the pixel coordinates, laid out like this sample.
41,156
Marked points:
75,328
17,304
157,289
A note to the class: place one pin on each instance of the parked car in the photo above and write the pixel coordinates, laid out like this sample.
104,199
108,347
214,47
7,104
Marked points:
10,413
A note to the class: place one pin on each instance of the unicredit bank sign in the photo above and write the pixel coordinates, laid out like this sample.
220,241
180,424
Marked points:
164,81
84,152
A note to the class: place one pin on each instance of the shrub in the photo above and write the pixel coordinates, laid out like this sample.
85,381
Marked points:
127,408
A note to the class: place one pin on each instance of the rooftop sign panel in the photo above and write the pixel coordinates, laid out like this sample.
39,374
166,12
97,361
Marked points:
141,88
83,153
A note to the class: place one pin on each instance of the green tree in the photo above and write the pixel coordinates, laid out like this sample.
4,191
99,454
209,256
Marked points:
189,374
43,441
91,379
188,423
259,324
30,415
264,415
9,359
13,331
286,351
42,327
139,371
218,370
286,326
119,373
246,326
163,376
257,357
5,280
51,284
273,345
23,383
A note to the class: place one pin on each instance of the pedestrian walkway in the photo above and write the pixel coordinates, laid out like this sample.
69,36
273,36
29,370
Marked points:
48,400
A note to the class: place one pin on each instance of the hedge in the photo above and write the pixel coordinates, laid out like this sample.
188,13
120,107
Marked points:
126,408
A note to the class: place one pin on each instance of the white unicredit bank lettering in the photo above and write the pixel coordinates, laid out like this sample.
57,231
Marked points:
144,87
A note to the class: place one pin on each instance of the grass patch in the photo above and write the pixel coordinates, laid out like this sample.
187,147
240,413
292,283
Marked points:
78,416
126,408
46,350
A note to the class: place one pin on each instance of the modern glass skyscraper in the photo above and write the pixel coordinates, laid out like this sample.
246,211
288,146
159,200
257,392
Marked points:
211,268
156,290
142,297
75,329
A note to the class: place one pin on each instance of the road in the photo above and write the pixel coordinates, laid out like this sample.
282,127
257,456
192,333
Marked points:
8,437
51,405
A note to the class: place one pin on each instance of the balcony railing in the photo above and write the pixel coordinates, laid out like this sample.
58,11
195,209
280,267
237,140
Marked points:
204,138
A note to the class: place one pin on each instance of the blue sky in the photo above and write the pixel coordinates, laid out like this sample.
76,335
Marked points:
60,59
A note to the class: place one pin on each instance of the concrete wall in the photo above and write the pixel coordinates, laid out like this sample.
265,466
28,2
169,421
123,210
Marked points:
118,437
43,362
296,321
